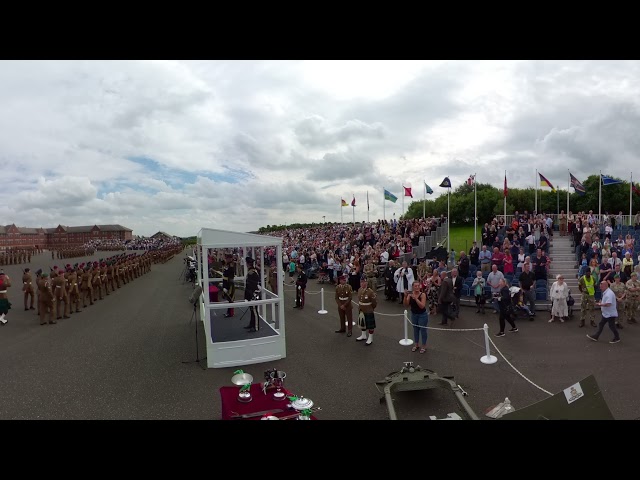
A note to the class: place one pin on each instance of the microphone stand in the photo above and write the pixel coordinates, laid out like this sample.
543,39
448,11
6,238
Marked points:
197,360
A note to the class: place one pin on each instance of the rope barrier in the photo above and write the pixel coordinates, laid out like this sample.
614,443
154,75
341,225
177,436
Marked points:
518,371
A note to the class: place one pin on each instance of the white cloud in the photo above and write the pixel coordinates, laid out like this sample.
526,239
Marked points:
179,145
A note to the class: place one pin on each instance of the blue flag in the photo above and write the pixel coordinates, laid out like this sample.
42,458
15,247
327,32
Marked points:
446,183
428,189
609,180
390,196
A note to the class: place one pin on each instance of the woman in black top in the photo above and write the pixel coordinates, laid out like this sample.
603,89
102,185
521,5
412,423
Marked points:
417,300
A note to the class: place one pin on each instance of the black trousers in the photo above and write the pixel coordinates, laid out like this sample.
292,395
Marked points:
505,317
612,326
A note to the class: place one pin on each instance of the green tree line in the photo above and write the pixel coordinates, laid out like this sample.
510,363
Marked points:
615,198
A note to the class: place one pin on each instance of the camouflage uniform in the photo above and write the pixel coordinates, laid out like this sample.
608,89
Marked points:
588,303
633,298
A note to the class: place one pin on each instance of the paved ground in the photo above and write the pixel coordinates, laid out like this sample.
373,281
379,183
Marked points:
122,359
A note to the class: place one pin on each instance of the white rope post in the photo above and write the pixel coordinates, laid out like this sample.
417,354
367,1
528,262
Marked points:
488,359
322,311
406,341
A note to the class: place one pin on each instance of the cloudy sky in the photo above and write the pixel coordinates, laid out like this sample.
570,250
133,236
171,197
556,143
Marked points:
181,145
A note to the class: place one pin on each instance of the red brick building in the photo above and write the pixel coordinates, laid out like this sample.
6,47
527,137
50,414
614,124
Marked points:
61,236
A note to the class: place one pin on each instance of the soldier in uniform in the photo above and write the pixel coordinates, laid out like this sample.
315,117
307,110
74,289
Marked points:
103,278
633,297
422,271
370,272
86,290
301,285
74,290
27,288
344,294
619,289
273,278
252,292
45,299
389,282
228,286
96,281
366,319
59,285
5,304
586,284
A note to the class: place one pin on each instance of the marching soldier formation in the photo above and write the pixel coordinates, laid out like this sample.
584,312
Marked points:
17,256
61,292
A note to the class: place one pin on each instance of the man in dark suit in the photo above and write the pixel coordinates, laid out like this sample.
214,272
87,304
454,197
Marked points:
457,283
446,298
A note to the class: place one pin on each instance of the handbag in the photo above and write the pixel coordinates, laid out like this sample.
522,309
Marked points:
570,301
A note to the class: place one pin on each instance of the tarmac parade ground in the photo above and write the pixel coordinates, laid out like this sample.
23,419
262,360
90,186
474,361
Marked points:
122,358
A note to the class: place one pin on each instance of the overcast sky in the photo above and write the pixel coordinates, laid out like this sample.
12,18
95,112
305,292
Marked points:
236,145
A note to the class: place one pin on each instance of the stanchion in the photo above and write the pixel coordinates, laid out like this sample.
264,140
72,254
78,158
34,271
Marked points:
488,359
406,340
322,311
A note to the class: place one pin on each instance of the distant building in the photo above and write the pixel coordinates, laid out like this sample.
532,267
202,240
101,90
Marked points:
162,235
60,236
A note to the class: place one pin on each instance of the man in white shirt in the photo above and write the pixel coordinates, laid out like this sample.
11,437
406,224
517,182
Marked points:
384,257
609,310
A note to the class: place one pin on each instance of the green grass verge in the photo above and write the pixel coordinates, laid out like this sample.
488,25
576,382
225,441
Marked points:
462,238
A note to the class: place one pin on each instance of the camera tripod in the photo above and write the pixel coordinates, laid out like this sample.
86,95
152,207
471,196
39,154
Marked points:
198,359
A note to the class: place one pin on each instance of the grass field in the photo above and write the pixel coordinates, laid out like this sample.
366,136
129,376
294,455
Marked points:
462,238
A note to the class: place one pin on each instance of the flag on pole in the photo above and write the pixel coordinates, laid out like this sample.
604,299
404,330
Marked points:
506,190
635,188
389,196
428,189
546,183
407,191
577,186
446,183
606,180
471,179
344,204
353,202
367,200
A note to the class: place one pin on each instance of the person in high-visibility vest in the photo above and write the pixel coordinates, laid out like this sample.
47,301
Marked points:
586,284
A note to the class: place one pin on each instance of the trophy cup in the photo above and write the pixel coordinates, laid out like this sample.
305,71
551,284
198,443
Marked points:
244,381
302,406
275,378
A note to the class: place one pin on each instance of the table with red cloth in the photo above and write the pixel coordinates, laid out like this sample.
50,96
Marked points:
260,403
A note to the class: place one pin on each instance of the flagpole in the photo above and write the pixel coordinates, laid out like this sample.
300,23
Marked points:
631,198
402,199
568,187
424,197
535,185
353,208
475,209
600,197
505,199
448,221
367,206
384,201
341,207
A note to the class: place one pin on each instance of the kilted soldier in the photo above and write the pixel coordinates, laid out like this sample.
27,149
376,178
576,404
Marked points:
228,286
301,286
252,292
5,304
60,296
344,294
45,299
366,319
633,297
586,284
28,289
